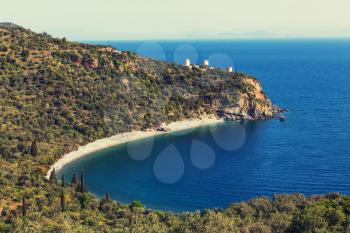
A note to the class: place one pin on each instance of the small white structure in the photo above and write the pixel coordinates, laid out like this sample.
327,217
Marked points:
229,69
205,63
187,62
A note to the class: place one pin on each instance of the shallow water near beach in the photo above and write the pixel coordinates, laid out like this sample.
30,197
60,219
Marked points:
309,153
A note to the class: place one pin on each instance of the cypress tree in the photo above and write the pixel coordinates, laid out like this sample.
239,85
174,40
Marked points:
62,201
52,178
74,180
82,201
104,203
82,187
34,148
62,180
107,197
24,207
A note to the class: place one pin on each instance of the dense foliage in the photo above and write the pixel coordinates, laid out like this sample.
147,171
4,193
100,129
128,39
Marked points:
56,95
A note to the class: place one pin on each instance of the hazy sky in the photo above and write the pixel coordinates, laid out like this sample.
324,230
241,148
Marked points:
173,19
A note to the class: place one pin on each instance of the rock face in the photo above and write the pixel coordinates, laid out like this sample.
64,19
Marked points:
251,105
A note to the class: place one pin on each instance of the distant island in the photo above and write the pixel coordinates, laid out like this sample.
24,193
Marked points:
57,96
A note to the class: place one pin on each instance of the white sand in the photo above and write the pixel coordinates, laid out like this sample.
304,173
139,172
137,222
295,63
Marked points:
127,137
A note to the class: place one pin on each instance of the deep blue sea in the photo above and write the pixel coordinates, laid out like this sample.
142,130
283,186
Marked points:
216,165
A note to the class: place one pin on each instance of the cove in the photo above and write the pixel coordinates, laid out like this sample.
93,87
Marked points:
309,153
242,169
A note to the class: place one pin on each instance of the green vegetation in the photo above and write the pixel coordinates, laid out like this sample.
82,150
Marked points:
56,95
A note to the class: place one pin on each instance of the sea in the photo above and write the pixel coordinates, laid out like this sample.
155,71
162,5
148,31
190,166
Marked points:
216,165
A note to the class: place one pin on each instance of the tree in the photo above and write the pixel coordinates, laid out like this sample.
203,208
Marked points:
25,54
107,197
74,180
85,199
52,178
34,148
24,207
62,201
62,181
82,186
105,203
136,204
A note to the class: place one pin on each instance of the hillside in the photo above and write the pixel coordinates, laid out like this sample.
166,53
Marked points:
56,95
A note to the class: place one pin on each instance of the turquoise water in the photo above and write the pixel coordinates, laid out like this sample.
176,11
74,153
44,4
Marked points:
309,153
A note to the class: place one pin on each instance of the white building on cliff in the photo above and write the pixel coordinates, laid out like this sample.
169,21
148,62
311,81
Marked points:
187,62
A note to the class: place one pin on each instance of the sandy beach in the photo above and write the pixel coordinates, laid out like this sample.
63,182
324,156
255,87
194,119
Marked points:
122,138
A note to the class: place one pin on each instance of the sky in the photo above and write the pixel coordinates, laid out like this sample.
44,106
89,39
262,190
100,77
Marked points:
180,19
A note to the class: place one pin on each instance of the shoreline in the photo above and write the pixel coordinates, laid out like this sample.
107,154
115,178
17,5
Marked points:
122,138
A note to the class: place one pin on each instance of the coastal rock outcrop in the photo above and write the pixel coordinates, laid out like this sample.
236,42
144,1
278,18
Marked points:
251,104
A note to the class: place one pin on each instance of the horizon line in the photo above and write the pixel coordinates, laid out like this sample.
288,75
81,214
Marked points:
217,39
189,38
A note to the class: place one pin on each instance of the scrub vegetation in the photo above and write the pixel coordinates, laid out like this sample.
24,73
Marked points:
57,95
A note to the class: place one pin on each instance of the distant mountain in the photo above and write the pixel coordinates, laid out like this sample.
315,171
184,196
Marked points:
9,25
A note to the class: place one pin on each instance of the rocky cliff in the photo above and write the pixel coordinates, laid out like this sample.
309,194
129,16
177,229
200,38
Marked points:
252,104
